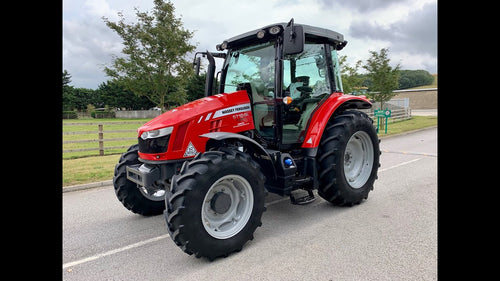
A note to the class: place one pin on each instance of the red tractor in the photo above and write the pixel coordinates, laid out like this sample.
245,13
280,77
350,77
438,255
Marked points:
277,122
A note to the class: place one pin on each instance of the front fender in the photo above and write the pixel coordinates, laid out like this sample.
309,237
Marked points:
257,152
335,103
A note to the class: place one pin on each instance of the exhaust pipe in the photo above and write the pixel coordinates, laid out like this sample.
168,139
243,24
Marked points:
209,82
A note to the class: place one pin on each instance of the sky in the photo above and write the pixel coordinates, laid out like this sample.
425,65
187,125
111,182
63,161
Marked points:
407,27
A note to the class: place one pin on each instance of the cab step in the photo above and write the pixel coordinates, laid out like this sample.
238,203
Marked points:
297,197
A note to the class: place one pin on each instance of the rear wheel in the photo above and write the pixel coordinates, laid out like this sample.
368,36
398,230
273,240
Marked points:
349,158
216,203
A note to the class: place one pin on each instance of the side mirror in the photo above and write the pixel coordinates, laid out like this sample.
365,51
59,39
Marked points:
293,39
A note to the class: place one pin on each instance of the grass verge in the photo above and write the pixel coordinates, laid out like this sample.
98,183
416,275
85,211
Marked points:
415,123
89,169
101,168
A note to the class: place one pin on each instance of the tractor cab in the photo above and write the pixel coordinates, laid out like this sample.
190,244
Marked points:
287,70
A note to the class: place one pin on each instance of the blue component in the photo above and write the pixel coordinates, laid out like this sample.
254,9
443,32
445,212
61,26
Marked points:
288,162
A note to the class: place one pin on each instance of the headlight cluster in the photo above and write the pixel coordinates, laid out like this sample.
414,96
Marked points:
155,141
273,30
157,133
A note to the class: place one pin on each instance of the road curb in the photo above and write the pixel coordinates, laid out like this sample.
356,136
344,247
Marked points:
110,182
86,186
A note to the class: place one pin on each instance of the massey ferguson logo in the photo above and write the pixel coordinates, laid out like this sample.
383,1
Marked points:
233,109
242,108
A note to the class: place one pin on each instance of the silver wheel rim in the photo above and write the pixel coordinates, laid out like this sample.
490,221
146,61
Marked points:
358,159
153,194
227,206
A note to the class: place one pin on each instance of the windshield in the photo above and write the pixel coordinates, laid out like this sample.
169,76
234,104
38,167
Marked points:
254,65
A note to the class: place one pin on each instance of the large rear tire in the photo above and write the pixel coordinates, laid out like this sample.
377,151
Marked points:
216,203
348,158
133,197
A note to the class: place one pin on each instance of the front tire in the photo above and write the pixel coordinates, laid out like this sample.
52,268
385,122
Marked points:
349,158
216,203
132,196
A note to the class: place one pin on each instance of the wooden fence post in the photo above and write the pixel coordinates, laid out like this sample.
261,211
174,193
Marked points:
101,142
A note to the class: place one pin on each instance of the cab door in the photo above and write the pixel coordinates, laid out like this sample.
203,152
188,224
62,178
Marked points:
308,79
253,68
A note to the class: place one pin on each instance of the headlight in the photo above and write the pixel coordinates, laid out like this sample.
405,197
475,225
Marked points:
261,34
274,30
157,133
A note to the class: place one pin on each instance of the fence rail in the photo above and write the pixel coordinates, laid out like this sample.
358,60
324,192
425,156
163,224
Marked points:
396,115
100,140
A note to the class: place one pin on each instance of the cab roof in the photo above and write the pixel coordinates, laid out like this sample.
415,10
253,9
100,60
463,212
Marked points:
312,33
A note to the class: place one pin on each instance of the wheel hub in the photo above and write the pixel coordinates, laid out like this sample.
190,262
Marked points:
358,159
220,203
347,157
227,206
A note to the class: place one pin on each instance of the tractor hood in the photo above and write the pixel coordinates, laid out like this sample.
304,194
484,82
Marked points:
180,129
203,107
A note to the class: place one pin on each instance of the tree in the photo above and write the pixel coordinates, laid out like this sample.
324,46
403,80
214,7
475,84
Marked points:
384,77
196,87
68,100
414,78
351,79
66,78
153,64
82,97
114,95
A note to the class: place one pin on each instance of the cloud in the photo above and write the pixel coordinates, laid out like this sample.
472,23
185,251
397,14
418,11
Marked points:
85,48
408,27
415,34
88,43
361,5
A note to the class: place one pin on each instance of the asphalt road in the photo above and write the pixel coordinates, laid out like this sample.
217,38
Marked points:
390,236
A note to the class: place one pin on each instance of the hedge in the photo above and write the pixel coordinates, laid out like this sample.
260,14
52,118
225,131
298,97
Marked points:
102,114
69,115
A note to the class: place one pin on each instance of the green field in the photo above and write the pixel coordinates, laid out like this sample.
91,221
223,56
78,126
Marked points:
100,168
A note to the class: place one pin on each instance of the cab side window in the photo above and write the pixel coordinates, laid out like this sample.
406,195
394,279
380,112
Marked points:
306,81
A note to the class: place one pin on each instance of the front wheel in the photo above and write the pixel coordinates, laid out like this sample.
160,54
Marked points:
349,158
134,197
216,203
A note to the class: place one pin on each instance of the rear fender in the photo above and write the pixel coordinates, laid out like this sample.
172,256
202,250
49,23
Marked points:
337,102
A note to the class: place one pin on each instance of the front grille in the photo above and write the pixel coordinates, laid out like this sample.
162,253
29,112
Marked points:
156,145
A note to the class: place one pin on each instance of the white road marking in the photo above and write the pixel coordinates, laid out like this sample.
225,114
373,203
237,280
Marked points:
399,165
115,251
410,153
